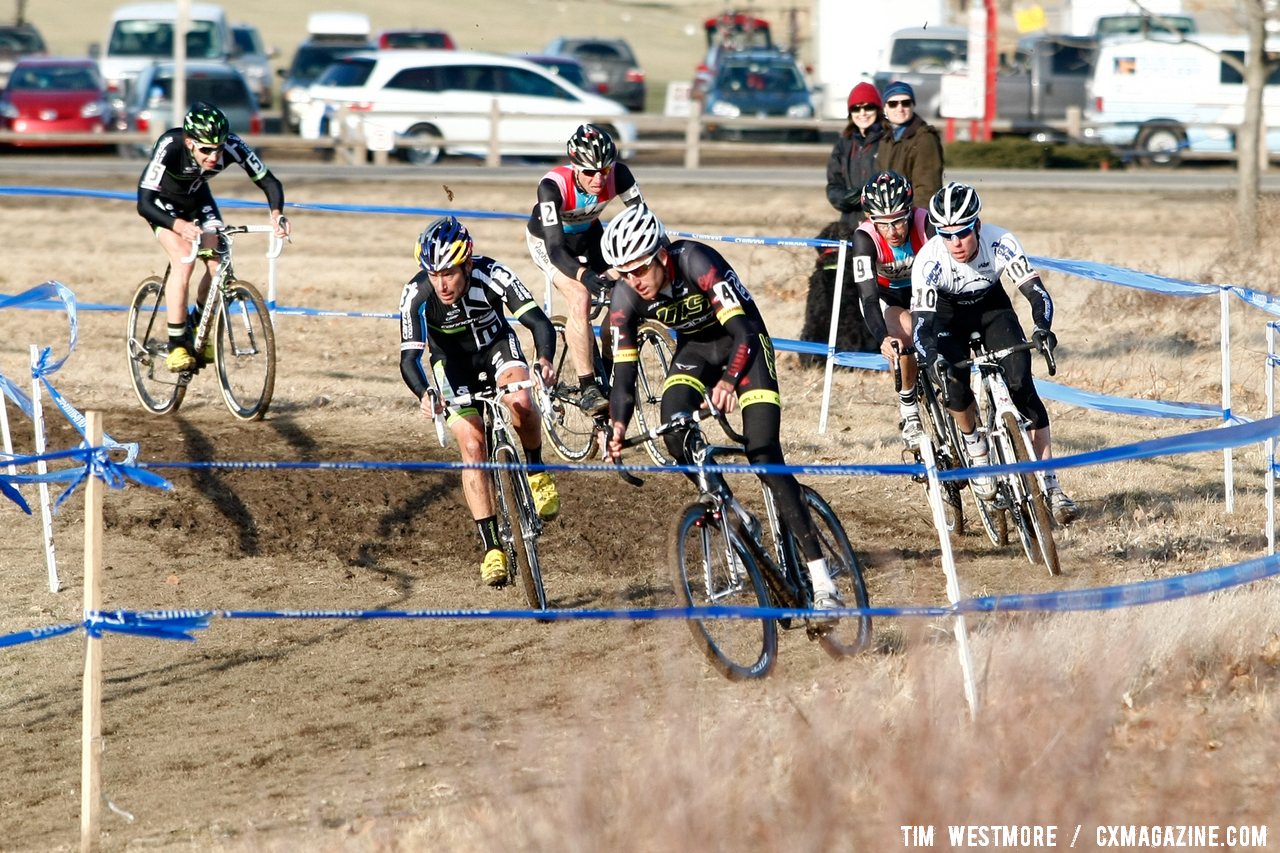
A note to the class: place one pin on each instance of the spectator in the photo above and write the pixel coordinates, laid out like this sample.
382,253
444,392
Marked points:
911,146
852,164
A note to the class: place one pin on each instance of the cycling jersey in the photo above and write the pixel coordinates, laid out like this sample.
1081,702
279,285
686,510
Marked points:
470,327
882,271
565,223
173,186
951,301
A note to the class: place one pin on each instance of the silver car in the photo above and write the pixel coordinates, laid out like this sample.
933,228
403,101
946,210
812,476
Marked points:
253,61
149,108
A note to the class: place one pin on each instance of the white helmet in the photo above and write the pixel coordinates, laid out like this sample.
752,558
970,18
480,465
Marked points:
632,238
954,206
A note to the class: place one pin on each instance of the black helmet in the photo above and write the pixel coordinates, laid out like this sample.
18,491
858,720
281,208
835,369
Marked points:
206,124
887,196
954,206
444,244
591,147
632,238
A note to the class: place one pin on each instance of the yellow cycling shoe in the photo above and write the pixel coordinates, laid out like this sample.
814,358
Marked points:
546,500
493,569
179,360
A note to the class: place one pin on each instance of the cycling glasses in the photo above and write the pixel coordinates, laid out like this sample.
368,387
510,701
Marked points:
639,268
863,108
206,150
895,223
958,234
905,102
591,173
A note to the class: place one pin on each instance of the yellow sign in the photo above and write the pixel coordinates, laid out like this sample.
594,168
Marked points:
1030,19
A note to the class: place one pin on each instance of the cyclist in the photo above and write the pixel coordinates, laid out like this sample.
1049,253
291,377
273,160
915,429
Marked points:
453,310
884,249
174,198
563,235
723,352
958,288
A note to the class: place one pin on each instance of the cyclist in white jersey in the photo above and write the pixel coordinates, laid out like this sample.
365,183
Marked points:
957,288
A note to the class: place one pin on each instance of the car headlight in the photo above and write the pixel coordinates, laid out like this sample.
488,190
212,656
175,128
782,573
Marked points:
8,110
93,109
297,95
724,109
800,111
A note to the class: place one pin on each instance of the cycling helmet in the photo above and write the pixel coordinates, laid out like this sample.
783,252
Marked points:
632,238
444,244
591,147
954,206
206,124
887,196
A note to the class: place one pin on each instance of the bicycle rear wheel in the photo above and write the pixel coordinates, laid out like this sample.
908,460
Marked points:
245,352
654,346
708,572
147,345
1035,508
572,431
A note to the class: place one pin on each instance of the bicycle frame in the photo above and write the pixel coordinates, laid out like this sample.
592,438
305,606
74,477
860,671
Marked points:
224,272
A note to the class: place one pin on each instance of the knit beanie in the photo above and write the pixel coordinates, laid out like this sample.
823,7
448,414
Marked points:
864,93
897,87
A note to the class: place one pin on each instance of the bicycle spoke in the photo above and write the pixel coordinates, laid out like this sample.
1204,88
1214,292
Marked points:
245,351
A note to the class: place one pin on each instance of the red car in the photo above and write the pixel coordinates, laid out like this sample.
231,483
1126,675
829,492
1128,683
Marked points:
51,95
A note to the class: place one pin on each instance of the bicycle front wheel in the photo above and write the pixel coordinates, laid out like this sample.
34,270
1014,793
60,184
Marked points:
147,345
708,571
523,528
245,352
941,430
1035,508
572,431
654,347
851,634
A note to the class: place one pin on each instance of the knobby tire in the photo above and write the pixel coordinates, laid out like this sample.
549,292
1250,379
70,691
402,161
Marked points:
147,345
245,352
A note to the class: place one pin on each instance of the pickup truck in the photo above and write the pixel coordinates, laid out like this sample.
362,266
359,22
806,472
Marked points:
1034,85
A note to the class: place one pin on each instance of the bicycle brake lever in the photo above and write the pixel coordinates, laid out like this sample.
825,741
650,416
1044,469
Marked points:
1050,362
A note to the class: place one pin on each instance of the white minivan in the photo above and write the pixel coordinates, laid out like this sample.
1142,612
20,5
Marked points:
142,33
442,101
1159,97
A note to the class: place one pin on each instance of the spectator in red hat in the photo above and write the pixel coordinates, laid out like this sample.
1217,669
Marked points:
852,164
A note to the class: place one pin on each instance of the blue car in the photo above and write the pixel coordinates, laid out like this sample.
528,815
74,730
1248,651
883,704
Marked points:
759,84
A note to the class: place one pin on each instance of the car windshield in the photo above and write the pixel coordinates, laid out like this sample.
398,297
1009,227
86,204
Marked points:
414,40
759,77
226,92
71,78
155,38
246,39
21,41
919,53
347,72
311,59
601,52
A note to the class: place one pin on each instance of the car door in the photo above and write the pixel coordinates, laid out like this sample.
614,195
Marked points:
526,93
465,98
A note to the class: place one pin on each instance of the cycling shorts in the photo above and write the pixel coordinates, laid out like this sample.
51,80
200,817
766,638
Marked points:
461,373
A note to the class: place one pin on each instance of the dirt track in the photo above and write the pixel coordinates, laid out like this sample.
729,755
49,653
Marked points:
302,733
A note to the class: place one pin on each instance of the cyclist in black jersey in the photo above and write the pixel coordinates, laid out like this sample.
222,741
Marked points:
958,288
453,310
723,352
174,198
563,235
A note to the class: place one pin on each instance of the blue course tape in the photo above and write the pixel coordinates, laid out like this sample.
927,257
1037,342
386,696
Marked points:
179,624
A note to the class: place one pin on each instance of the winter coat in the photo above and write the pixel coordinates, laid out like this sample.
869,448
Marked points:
916,155
852,164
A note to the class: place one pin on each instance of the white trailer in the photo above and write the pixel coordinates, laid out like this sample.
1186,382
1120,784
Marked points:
1083,14
849,39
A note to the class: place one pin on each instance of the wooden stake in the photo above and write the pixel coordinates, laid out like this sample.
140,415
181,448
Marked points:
91,710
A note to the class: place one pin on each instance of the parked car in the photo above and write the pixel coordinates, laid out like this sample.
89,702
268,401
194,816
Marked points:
565,67
728,33
253,60
54,95
759,83
444,99
414,40
17,41
331,36
149,108
611,66
142,33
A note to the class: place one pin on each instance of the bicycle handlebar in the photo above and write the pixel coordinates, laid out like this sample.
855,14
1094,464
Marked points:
274,247
993,357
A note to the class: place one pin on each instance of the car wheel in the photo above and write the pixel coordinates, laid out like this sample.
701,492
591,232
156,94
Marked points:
422,145
1160,144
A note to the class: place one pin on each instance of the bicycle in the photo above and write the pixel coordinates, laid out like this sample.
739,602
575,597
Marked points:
718,557
519,524
573,432
236,320
940,430
1022,497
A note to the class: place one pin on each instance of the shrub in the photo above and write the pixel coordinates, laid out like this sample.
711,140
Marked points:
1010,152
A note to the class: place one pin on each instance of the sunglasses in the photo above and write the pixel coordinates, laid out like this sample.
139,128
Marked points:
208,149
862,108
959,234
640,268
898,104
591,173
891,224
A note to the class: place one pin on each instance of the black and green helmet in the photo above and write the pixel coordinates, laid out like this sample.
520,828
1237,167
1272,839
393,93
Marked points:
206,124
